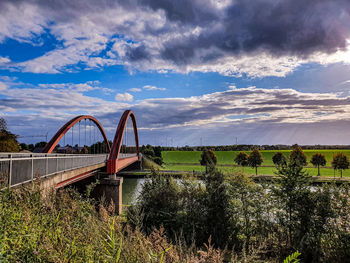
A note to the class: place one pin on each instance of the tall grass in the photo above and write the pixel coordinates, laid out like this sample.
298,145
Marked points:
64,227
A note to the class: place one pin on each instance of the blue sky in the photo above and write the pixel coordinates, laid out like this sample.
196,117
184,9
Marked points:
192,71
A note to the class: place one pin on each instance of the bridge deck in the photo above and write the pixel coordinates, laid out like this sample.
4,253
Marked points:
20,168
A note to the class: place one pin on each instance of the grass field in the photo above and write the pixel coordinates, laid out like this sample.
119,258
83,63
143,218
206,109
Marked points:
189,161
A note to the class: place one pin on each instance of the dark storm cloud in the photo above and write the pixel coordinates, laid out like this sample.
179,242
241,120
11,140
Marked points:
290,27
183,11
136,53
202,31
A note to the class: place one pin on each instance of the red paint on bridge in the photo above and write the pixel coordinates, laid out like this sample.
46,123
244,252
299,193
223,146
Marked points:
75,179
65,128
114,164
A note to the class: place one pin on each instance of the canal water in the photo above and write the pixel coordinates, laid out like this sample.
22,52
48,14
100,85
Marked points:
131,189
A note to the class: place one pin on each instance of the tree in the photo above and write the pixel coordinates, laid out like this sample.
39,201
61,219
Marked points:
3,124
297,156
149,152
217,207
41,144
255,159
293,194
208,159
318,160
279,159
24,146
158,159
8,140
31,147
157,151
340,162
241,159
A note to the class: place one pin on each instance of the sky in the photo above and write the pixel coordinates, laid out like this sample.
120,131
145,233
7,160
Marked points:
194,72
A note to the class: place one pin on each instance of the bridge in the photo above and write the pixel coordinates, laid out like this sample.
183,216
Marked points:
56,170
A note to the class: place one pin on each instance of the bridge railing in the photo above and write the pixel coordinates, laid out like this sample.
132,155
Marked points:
19,168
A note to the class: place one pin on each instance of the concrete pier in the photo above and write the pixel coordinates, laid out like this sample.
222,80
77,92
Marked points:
111,189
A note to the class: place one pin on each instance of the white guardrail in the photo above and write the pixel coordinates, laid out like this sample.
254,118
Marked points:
20,168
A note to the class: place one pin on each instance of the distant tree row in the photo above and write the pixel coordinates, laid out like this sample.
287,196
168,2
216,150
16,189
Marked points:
31,147
254,159
297,157
340,161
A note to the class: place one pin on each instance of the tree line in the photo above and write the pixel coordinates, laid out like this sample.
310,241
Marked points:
340,161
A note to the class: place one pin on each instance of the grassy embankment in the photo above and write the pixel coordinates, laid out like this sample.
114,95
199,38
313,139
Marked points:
65,227
189,161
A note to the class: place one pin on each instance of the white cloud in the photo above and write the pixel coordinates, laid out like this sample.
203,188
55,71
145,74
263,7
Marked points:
21,21
235,105
144,34
135,90
245,105
124,97
3,86
106,91
249,108
4,60
344,82
150,87
70,86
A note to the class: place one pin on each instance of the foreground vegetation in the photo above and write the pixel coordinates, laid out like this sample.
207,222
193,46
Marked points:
220,219
256,222
65,227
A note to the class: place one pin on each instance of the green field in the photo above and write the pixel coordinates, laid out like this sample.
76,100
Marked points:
189,161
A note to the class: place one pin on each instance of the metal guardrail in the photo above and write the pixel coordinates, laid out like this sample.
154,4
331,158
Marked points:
19,168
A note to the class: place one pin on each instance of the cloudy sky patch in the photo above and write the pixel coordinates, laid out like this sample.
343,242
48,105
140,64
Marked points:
188,68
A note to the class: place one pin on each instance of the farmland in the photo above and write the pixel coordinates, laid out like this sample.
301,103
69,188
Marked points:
189,161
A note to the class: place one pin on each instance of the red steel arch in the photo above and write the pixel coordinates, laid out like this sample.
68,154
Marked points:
64,129
113,163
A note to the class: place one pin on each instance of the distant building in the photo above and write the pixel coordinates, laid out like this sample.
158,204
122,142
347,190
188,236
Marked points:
38,150
69,149
65,149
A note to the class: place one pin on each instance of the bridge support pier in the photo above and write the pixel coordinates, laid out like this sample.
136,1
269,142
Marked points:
111,189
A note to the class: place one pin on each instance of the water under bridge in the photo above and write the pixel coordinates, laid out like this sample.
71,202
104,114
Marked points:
55,170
